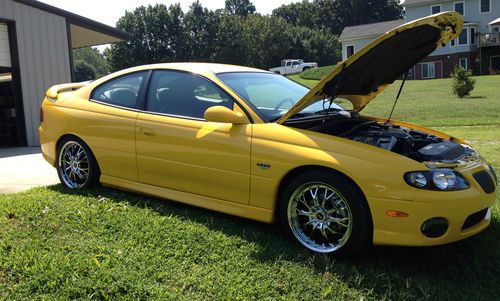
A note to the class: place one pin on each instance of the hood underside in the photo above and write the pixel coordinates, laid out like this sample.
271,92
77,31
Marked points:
369,71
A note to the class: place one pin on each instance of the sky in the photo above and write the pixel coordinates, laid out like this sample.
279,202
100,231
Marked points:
109,11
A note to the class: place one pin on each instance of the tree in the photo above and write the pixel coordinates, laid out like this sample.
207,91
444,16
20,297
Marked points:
84,71
462,82
303,13
158,35
334,15
166,34
240,7
201,25
94,58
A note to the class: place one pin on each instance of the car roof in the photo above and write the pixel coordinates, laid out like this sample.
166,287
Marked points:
200,68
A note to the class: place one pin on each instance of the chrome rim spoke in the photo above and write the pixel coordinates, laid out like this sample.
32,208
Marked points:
320,217
73,165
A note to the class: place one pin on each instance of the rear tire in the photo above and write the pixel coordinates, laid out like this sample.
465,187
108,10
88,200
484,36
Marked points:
326,213
76,165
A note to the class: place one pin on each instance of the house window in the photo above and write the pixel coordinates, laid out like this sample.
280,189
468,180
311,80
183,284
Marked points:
484,6
452,43
459,7
428,70
349,50
473,36
462,38
435,9
463,62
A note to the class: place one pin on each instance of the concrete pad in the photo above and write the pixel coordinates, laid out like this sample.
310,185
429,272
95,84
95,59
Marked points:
22,168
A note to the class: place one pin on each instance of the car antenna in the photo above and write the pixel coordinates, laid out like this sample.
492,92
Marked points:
397,97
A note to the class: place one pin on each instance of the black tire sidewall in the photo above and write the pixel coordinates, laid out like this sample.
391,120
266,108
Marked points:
94,172
361,233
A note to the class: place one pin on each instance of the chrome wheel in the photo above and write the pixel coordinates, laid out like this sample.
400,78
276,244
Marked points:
319,217
73,165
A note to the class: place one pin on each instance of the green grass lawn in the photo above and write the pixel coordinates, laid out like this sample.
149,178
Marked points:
107,244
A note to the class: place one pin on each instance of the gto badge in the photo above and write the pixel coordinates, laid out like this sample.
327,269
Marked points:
263,165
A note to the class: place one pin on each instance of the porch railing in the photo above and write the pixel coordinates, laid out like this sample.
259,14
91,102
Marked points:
489,39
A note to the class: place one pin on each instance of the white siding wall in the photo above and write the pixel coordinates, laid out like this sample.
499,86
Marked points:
43,57
4,46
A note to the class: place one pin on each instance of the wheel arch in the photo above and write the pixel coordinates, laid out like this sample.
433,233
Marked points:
58,145
290,175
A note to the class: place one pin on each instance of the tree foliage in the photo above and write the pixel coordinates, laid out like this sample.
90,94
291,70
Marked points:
334,15
240,7
166,34
84,71
94,58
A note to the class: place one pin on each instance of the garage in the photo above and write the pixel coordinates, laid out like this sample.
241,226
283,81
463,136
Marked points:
36,43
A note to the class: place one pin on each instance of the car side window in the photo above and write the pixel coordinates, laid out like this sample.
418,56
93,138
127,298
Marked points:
295,63
122,91
184,94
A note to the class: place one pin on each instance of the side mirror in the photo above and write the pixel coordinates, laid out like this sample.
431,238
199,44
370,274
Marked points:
224,115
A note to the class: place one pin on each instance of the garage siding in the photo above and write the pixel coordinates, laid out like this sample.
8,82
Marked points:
43,57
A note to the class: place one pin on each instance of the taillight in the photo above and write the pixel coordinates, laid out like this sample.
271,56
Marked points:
41,115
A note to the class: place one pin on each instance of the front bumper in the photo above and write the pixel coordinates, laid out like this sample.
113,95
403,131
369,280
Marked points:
467,213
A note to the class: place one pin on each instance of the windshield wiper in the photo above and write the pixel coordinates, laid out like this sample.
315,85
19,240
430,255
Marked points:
296,115
328,110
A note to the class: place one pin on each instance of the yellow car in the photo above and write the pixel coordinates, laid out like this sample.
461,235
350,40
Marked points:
254,144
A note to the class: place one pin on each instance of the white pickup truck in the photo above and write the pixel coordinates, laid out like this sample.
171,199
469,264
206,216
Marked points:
293,66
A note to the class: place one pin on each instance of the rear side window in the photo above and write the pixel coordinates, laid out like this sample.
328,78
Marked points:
184,94
122,91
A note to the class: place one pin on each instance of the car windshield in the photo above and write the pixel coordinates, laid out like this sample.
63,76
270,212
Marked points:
271,95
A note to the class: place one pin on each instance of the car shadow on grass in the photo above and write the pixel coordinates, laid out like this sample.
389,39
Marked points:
393,272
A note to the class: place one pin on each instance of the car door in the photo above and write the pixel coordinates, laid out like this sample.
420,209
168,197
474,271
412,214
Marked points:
177,149
288,67
108,124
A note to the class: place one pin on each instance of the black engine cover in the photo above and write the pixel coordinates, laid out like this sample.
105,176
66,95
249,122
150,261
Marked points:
445,150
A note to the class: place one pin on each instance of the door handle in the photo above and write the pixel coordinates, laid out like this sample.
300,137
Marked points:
147,132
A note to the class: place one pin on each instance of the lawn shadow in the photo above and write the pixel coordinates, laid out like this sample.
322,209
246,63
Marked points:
465,264
475,97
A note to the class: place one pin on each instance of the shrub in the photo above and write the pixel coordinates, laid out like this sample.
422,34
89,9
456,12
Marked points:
462,82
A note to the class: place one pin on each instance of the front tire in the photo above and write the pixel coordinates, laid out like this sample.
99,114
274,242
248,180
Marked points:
326,213
76,164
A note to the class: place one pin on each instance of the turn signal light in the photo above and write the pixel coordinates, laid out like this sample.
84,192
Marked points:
395,213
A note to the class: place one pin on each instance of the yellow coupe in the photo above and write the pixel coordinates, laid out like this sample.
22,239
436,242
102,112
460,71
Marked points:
254,144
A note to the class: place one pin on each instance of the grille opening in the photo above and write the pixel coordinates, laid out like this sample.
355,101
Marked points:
484,180
474,219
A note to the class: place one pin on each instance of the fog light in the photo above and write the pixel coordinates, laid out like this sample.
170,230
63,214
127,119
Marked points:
434,227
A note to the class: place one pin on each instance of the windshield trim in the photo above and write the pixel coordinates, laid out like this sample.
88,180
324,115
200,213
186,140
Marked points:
251,105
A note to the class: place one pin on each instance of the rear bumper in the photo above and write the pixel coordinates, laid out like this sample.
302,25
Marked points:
455,207
48,146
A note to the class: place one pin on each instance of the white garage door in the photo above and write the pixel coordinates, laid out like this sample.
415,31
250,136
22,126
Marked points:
4,46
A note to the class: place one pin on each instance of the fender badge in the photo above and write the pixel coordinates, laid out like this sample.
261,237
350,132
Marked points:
263,165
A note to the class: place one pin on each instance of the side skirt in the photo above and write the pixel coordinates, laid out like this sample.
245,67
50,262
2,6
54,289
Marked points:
245,211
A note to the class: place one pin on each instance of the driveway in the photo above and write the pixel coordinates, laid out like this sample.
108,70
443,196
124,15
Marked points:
22,168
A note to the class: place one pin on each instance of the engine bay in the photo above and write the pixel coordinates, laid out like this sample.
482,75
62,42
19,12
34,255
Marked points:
411,143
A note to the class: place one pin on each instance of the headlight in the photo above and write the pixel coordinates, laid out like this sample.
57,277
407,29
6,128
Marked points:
437,179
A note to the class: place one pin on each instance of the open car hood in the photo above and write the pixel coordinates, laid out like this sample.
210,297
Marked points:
369,71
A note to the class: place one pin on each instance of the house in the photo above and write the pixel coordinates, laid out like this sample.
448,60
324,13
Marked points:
477,48
36,42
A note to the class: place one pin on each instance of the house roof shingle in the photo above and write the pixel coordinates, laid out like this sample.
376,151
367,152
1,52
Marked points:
367,30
